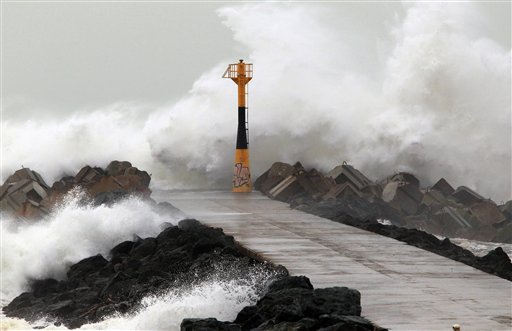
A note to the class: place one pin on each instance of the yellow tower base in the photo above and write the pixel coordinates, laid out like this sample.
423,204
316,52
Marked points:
242,176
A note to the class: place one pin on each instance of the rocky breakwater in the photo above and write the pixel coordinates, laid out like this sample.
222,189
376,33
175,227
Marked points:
98,286
178,258
291,303
26,195
346,195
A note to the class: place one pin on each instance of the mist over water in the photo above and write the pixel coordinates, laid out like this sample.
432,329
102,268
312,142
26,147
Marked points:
432,98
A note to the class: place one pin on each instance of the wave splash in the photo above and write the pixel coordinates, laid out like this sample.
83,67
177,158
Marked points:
433,99
71,233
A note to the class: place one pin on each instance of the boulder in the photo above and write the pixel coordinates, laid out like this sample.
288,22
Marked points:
293,304
497,261
207,324
290,282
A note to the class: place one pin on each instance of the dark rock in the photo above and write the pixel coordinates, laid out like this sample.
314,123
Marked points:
96,288
169,235
189,224
292,304
123,248
498,262
296,303
290,282
207,324
61,308
350,323
44,287
145,248
167,208
87,266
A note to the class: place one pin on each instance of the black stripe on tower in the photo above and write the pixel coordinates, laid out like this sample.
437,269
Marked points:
241,136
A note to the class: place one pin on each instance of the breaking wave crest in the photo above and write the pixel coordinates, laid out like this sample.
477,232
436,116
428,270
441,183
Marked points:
430,95
71,233
226,291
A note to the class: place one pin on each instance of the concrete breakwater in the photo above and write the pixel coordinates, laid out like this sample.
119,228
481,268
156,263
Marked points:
111,289
303,190
402,287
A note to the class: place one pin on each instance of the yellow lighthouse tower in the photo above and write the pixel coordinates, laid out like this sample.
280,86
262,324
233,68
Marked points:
241,74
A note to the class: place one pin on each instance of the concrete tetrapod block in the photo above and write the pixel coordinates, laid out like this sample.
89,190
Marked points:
341,191
22,192
486,212
273,176
444,187
402,196
466,196
286,188
451,220
117,168
347,173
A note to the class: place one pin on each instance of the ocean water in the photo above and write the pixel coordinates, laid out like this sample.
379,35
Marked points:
480,248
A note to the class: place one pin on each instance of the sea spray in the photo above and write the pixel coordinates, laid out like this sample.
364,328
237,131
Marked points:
221,298
73,231
435,101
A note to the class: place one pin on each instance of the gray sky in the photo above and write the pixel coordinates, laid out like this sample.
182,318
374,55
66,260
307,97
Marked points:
63,57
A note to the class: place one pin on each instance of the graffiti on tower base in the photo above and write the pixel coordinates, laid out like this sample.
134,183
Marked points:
241,176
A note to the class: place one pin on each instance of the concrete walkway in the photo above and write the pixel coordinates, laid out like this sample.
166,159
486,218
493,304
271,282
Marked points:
402,287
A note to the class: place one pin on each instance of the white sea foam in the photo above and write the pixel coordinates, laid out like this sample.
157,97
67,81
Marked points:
221,299
481,248
434,100
47,248
220,296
